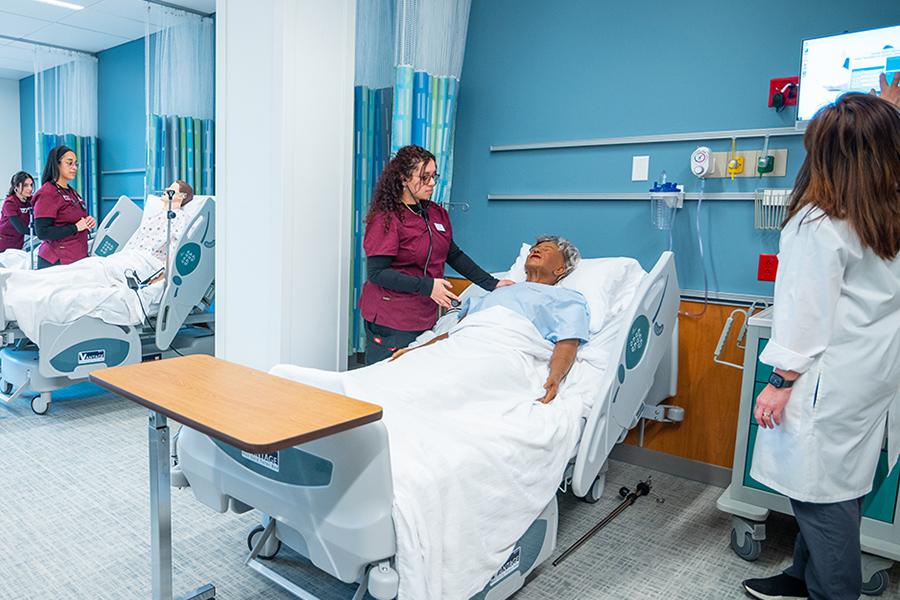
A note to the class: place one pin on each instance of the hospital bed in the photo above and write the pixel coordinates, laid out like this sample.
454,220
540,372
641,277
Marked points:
331,499
65,353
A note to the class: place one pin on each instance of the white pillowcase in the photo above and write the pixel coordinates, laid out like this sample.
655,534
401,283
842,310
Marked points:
608,284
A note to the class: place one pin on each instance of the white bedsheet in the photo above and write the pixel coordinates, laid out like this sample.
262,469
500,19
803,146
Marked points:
94,287
474,457
15,259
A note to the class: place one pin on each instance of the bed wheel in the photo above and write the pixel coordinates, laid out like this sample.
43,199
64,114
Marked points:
596,491
749,550
253,537
877,585
41,404
6,387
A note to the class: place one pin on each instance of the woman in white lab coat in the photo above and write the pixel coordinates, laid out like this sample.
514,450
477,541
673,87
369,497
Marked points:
835,345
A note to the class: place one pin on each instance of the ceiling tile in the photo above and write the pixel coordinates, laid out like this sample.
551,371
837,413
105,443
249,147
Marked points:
13,74
95,19
15,25
78,39
39,10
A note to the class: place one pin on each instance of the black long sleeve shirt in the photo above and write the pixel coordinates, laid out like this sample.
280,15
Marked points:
46,230
379,272
18,225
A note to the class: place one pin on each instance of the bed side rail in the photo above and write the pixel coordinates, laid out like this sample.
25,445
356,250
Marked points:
651,322
117,227
190,278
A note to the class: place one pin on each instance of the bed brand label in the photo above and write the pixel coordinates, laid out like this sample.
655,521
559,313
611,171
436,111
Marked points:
89,357
511,565
268,460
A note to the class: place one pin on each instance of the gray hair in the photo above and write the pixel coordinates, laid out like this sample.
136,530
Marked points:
571,255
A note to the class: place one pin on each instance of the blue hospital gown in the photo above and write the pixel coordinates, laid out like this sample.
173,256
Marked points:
557,313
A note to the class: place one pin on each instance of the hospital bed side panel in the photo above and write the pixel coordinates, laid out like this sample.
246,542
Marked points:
334,493
75,349
646,339
192,273
117,227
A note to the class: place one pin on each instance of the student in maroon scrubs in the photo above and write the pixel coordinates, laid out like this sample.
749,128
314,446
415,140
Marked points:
15,215
408,241
60,217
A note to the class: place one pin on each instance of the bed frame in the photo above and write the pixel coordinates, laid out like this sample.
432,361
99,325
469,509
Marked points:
64,354
331,499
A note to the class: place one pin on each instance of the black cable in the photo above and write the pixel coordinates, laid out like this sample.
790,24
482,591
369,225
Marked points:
137,293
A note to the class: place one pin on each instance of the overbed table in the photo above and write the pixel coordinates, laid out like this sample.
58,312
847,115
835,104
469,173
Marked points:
245,408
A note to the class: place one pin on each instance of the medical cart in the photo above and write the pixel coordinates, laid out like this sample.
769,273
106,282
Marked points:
749,502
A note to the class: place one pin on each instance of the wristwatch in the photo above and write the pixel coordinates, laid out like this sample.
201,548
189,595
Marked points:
779,382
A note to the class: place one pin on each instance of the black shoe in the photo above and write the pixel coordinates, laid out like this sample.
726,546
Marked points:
780,587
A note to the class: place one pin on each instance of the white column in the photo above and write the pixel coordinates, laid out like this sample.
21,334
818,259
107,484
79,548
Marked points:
284,172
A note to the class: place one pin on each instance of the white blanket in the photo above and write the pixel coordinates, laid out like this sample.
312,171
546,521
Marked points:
94,287
15,259
474,457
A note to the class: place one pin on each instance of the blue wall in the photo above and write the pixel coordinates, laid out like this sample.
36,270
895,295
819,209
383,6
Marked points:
574,69
121,120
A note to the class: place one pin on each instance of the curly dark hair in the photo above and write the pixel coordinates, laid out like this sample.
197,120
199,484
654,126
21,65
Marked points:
389,190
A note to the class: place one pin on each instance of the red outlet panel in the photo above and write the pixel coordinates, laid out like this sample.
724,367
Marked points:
768,267
790,94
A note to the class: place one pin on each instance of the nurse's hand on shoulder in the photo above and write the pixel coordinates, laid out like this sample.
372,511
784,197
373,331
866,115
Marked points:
504,283
441,294
770,406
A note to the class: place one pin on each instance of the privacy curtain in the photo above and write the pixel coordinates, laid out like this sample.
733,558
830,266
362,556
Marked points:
409,56
180,63
65,110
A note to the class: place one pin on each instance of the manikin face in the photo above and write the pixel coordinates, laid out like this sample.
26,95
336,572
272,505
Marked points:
424,178
177,197
68,166
25,190
545,263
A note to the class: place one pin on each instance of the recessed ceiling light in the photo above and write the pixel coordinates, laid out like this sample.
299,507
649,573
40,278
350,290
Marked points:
61,4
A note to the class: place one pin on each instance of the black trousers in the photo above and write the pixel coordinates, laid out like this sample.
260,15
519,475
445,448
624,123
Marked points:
827,552
382,342
43,264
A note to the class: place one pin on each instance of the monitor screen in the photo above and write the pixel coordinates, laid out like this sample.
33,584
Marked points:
848,62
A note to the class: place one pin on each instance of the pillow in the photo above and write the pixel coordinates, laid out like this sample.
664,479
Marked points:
608,284
155,204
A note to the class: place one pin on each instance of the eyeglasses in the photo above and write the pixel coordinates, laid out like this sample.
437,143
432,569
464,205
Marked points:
426,179
71,163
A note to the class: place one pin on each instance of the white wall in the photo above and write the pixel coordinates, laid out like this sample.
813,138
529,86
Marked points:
10,132
284,144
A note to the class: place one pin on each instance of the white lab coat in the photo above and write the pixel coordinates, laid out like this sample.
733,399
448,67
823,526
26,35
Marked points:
836,321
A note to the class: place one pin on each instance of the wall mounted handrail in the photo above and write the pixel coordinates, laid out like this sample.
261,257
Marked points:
695,136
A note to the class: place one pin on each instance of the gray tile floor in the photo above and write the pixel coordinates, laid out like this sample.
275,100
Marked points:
74,523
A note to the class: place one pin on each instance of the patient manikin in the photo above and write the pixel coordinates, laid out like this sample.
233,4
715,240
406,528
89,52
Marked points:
560,315
98,286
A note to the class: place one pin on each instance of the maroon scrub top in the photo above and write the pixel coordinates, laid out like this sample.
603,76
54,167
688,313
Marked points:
407,241
9,236
65,207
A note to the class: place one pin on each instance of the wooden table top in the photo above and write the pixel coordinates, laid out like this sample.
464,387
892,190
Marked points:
248,409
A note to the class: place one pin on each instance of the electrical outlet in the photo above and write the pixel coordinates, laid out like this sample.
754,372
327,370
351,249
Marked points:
768,267
751,157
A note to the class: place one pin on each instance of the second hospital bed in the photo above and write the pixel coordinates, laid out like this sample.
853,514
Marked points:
331,499
62,354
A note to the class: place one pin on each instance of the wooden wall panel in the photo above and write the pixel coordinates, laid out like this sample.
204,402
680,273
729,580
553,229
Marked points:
708,392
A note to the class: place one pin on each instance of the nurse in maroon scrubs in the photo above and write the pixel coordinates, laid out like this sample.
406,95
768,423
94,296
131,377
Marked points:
408,241
60,217
15,216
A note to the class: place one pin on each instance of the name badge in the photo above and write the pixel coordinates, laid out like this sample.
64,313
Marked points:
439,227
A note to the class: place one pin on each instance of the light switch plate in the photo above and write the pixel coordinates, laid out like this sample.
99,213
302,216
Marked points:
640,168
